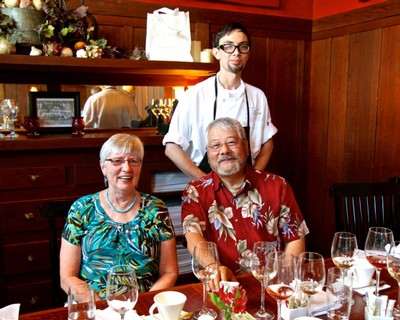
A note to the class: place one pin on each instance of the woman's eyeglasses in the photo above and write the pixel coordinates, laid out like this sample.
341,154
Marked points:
120,162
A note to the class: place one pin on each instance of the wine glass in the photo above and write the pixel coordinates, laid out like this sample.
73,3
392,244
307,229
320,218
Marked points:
205,264
311,274
375,251
281,268
261,273
122,289
344,246
393,266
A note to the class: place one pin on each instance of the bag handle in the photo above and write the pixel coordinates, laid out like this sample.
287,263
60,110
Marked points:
170,24
165,10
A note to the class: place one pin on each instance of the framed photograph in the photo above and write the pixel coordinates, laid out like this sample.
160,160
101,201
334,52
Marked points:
54,109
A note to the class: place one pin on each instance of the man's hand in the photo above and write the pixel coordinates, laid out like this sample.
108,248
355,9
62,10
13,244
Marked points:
224,274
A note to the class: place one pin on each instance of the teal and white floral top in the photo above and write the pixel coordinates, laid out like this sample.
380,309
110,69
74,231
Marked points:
105,243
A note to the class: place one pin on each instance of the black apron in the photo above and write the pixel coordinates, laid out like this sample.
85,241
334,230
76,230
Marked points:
204,165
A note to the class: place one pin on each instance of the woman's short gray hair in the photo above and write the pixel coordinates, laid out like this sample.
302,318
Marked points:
227,123
122,143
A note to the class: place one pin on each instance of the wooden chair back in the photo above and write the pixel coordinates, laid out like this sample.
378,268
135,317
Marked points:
359,206
56,211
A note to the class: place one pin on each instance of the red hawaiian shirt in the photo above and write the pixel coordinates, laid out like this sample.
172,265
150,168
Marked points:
264,209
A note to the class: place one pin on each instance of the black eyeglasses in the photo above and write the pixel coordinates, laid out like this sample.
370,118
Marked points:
230,48
120,162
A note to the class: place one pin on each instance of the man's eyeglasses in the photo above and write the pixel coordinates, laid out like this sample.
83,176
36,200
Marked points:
120,162
216,146
230,48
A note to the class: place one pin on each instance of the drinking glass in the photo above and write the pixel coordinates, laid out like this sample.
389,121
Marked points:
344,246
205,264
122,289
10,111
81,302
393,266
339,293
261,249
281,268
375,251
311,274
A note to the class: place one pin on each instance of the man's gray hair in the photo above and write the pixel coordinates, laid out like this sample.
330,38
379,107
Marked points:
227,123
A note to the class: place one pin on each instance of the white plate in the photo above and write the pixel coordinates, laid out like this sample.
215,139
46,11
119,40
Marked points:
306,318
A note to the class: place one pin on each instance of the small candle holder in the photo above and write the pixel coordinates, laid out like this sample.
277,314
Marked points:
31,125
78,124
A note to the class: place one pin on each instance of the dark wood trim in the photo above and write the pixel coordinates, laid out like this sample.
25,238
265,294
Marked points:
70,70
376,16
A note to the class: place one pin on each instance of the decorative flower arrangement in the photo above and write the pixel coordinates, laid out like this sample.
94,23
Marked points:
66,32
231,301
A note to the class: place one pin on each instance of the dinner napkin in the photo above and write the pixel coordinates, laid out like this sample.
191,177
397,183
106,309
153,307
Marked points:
110,314
10,312
319,304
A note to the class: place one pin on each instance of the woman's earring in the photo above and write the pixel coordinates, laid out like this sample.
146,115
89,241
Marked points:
106,181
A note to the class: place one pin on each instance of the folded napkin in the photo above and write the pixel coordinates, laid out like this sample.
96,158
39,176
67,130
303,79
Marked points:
319,304
110,314
10,312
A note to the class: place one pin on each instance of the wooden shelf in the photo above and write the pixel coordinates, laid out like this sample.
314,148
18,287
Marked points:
69,70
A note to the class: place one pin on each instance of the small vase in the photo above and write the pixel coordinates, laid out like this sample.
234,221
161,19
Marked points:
32,125
78,124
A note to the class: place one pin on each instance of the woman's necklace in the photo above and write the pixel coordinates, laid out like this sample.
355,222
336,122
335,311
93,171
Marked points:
120,211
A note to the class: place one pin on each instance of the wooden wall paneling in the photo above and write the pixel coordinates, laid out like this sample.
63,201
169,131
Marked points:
202,33
336,126
132,33
386,162
255,72
362,97
317,145
285,76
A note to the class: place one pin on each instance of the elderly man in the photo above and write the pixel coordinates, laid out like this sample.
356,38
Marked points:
236,205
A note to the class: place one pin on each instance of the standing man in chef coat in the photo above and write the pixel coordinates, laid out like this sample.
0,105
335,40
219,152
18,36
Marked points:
223,95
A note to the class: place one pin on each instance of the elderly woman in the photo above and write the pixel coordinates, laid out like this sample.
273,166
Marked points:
119,225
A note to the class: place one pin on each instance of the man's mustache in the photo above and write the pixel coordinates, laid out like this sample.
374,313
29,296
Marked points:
229,157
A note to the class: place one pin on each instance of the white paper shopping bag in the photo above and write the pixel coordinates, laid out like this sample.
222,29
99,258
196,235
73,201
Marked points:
168,35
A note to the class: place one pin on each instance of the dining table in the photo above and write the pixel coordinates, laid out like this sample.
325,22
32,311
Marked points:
194,294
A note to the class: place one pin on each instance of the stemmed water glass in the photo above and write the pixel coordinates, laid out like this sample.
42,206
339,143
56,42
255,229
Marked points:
205,264
375,250
393,266
261,249
311,273
344,247
122,289
281,267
